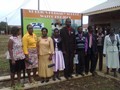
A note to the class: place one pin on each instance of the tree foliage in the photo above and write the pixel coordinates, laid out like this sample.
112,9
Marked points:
3,25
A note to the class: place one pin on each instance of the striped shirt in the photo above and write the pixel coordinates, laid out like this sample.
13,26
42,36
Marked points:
80,41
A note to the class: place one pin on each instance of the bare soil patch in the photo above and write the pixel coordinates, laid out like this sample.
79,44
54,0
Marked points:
85,83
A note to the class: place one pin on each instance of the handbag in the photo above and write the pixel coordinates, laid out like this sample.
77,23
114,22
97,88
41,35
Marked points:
76,61
117,41
7,55
28,61
51,65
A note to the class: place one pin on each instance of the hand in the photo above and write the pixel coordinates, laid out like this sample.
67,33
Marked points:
50,57
26,57
104,55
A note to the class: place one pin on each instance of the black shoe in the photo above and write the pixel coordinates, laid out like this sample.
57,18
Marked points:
82,74
94,73
42,81
106,73
86,73
71,76
112,70
47,80
54,79
58,78
67,78
115,75
76,74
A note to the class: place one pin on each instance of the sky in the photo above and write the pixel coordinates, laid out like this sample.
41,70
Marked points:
10,9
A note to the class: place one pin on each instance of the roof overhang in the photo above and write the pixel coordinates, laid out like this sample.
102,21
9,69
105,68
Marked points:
108,6
101,11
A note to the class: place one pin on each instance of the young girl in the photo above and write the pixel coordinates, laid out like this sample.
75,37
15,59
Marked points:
58,56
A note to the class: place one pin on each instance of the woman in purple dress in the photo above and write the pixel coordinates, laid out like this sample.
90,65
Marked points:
58,59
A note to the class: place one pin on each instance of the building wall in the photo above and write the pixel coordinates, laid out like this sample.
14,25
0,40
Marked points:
111,19
116,25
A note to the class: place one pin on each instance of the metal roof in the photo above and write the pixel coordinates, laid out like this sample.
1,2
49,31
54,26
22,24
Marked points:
110,5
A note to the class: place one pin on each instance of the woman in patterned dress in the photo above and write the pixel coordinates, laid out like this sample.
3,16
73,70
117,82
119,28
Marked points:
30,51
16,54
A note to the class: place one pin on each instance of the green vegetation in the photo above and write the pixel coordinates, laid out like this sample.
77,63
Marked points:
4,64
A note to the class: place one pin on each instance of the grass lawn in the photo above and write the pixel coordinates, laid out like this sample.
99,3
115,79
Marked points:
4,64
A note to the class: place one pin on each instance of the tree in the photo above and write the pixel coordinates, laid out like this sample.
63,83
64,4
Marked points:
3,27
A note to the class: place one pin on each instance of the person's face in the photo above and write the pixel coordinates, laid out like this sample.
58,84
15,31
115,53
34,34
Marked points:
19,32
30,30
56,33
90,30
111,31
68,22
44,33
100,30
80,29
119,30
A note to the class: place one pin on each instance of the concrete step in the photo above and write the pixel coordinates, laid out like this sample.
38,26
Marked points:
5,78
38,83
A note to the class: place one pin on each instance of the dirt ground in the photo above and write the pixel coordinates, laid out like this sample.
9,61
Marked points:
85,83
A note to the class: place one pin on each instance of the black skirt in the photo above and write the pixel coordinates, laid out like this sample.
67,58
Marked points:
18,66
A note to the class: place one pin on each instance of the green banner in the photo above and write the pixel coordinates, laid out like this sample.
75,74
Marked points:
38,24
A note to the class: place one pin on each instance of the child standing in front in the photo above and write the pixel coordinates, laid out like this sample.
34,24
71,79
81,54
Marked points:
58,59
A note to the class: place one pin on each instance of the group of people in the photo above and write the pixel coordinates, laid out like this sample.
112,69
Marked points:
50,55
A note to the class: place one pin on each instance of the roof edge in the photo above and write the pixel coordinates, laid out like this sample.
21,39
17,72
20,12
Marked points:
102,11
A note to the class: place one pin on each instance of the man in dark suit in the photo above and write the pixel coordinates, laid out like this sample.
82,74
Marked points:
68,47
91,51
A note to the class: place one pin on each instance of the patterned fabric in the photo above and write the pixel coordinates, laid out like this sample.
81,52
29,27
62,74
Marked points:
17,48
100,40
33,57
80,40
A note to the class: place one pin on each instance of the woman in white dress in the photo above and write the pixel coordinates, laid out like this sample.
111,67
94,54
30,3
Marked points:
111,51
58,55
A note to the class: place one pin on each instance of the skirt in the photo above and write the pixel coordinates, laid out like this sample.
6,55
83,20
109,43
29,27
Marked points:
58,59
33,58
43,70
18,66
